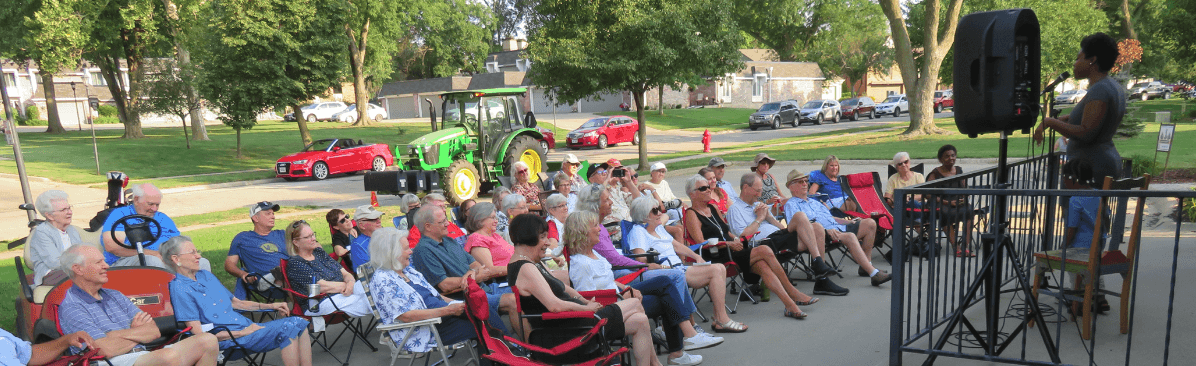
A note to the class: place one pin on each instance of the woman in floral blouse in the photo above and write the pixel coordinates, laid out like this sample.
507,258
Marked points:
403,295
525,188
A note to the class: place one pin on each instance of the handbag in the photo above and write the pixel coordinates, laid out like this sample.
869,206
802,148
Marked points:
82,359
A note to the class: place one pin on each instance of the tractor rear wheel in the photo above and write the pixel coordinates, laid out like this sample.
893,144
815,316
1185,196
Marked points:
461,179
527,150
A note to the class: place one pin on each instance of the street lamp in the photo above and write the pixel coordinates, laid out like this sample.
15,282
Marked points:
75,100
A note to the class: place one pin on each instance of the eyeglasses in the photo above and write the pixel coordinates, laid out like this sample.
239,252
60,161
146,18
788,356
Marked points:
601,171
906,162
521,170
193,252
310,237
801,181
64,209
657,210
703,188
559,206
369,220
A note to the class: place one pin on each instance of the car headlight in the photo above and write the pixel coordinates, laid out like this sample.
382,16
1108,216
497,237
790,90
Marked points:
591,134
299,162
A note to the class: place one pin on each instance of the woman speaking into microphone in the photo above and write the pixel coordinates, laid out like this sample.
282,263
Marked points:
1091,125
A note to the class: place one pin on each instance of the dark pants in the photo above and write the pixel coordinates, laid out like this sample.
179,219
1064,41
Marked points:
661,300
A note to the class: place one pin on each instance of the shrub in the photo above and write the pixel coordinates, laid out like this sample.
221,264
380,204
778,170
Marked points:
1144,164
1188,209
34,122
106,120
107,110
1131,125
1192,114
31,112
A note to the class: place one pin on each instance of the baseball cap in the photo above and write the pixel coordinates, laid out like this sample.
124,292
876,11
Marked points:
614,163
262,206
717,161
795,175
572,159
657,166
367,212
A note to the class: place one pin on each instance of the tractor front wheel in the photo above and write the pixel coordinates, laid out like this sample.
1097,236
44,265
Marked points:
527,150
462,182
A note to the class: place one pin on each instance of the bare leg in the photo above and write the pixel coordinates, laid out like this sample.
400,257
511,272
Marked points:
808,234
714,277
857,252
764,264
867,236
636,325
305,349
199,350
506,304
292,354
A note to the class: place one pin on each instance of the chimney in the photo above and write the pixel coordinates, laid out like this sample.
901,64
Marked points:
510,44
522,44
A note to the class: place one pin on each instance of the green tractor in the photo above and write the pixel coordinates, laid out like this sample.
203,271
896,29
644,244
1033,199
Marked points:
482,135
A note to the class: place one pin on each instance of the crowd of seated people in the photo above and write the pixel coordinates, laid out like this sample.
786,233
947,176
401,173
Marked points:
572,237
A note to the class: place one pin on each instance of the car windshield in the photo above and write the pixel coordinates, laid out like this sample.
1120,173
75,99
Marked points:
770,107
812,104
319,145
351,108
893,99
850,102
594,123
938,94
311,106
1141,85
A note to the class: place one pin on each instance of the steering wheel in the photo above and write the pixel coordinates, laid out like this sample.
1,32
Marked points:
147,231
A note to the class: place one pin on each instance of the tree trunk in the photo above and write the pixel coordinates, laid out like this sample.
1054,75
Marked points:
136,76
660,94
183,118
304,134
1129,23
920,90
638,96
238,129
55,124
357,49
198,128
111,74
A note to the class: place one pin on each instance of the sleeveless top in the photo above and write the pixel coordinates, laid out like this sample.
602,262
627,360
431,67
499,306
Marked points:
713,226
770,188
530,304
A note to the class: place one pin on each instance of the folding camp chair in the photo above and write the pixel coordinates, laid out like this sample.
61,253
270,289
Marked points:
353,325
865,189
251,292
1093,262
237,351
720,253
365,272
588,348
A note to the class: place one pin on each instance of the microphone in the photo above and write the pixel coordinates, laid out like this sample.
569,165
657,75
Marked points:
1050,87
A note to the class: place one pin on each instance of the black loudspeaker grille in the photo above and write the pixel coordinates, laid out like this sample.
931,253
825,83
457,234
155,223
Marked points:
998,68
391,181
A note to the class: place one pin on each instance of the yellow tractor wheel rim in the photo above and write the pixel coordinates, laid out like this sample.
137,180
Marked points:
464,184
532,159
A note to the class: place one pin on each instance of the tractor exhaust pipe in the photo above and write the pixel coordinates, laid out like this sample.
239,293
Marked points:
431,112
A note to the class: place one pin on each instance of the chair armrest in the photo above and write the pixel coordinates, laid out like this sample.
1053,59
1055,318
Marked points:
300,296
414,324
564,347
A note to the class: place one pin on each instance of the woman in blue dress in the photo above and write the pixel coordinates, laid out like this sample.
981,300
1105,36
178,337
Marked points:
200,299
1093,122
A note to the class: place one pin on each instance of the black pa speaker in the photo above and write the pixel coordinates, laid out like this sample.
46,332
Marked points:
997,71
390,181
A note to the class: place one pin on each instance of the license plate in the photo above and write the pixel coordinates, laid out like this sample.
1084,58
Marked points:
575,141
282,170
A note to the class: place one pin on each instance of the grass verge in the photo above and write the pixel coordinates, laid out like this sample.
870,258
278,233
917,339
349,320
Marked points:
68,157
715,119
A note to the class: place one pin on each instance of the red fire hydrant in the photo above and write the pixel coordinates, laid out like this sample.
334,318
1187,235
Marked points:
706,141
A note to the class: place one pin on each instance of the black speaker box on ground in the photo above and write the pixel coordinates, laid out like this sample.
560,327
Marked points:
391,181
998,72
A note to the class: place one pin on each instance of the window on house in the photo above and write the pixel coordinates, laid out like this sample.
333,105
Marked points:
758,86
10,80
96,78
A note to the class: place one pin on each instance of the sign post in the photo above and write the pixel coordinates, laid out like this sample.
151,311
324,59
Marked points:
94,103
1166,134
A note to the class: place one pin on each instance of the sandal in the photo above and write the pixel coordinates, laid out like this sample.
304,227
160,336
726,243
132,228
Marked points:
729,327
799,315
969,253
958,254
811,301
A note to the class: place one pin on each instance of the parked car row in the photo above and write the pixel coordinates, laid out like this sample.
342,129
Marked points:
335,111
1149,90
1071,96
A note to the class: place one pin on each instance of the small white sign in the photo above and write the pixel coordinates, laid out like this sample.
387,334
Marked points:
1166,133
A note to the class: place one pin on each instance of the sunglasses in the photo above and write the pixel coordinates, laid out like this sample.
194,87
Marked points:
521,170
703,188
657,210
343,220
904,162
295,225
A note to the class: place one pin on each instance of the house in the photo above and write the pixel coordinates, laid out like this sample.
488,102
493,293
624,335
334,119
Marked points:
71,90
762,79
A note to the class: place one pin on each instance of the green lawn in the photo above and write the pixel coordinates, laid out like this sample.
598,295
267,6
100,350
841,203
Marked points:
715,119
68,157
213,242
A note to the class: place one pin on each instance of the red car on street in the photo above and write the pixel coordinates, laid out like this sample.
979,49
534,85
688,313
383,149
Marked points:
326,157
549,140
604,131
944,99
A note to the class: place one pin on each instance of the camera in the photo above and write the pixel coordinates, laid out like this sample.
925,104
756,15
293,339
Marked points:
619,173
672,204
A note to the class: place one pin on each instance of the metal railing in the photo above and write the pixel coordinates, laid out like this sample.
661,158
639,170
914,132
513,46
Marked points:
977,307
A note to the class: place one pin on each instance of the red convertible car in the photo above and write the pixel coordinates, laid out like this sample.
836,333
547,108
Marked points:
604,131
332,156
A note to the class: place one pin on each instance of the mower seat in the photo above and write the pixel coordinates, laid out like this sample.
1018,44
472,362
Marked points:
40,292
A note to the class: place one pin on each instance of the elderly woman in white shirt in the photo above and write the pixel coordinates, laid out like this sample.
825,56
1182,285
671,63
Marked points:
50,238
558,211
650,234
564,186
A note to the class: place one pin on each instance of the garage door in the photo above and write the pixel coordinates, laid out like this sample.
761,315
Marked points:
401,107
542,105
601,103
70,114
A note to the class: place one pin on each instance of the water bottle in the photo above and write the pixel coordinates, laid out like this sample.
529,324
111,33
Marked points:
711,242
764,294
313,289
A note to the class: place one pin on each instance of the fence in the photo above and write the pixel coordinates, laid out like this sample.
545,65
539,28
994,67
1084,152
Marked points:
949,305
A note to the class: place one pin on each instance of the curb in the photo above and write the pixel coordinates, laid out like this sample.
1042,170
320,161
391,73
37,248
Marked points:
222,185
15,176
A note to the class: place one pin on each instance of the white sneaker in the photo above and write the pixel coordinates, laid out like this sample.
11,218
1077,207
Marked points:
686,359
702,340
658,332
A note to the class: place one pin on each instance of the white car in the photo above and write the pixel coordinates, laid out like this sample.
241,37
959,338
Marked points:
322,111
350,114
895,104
1071,96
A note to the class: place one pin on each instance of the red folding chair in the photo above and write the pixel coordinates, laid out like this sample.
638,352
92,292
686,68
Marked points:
589,348
865,189
355,326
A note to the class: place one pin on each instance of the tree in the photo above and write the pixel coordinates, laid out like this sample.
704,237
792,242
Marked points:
130,31
785,26
938,33
383,21
181,17
51,33
509,17
261,54
169,92
582,48
852,41
1176,30
453,35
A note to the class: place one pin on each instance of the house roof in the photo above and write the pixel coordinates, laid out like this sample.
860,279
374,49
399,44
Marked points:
505,57
62,91
456,83
758,54
497,80
783,69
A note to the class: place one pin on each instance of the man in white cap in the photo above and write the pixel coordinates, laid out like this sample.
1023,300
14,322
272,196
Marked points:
664,192
369,219
570,167
856,234
259,249
719,166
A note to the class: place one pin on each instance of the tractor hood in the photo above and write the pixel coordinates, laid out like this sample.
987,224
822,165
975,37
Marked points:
437,137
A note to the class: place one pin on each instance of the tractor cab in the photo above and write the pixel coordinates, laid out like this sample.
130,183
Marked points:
483,133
